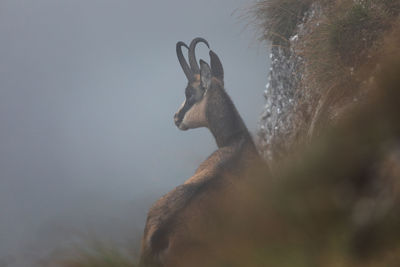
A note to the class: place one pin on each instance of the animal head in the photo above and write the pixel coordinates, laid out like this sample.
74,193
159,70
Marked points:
192,113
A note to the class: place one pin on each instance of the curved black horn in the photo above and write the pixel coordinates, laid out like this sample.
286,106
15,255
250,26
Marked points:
192,55
182,60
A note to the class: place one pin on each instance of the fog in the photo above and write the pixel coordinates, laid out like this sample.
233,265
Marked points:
88,90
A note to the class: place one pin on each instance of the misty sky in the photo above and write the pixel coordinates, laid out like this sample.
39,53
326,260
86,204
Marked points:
88,89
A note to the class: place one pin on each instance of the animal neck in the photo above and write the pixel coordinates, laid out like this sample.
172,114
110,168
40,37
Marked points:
224,121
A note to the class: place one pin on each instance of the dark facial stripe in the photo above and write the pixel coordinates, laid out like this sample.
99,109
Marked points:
181,113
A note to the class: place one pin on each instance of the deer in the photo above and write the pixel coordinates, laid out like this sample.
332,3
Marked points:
171,235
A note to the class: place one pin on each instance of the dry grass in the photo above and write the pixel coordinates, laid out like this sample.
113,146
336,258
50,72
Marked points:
278,18
341,53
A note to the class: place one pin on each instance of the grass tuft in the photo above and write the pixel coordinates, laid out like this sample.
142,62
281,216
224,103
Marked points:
279,18
355,31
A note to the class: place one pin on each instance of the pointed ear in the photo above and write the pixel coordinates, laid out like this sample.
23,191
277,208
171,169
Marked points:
205,74
216,67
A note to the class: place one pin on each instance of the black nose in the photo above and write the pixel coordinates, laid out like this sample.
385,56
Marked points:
177,120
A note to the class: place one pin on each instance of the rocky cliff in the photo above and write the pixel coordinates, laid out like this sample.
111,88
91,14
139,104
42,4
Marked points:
323,59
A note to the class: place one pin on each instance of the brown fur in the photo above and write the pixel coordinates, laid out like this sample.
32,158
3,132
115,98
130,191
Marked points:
179,224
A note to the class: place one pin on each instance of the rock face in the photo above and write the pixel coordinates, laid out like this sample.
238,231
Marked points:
278,117
289,103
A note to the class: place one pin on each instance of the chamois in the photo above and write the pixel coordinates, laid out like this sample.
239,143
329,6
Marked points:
172,234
